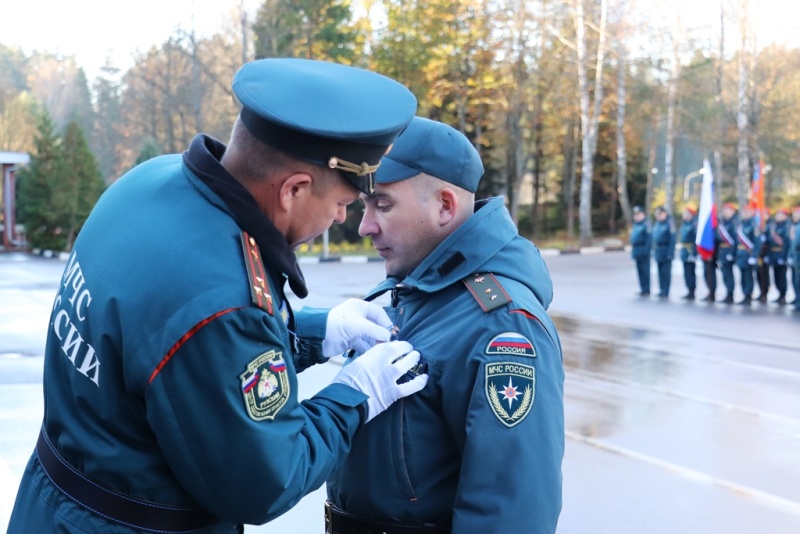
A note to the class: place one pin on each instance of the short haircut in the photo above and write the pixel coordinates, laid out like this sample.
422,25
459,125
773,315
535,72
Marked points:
257,161
426,185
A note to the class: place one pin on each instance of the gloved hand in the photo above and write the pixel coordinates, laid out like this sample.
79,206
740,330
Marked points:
691,259
751,261
355,324
781,261
729,258
766,260
375,373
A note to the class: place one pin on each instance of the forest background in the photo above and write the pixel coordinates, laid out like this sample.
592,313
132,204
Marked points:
580,108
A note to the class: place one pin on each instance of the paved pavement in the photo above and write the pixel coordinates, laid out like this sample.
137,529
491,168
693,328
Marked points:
681,417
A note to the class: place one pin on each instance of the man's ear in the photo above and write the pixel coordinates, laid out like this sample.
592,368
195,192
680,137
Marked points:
448,208
294,188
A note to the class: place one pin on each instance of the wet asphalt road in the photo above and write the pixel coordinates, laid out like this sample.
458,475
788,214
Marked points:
681,417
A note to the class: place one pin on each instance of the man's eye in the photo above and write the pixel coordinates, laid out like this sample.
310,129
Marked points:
383,207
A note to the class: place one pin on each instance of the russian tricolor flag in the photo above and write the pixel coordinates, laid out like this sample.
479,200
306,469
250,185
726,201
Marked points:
277,366
706,216
249,382
757,199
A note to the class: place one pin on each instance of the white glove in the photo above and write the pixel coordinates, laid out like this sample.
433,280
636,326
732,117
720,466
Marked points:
751,261
355,324
375,373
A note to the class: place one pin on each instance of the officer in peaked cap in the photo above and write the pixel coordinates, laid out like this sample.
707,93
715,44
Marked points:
663,249
726,248
324,113
688,250
471,295
794,256
641,241
176,409
778,242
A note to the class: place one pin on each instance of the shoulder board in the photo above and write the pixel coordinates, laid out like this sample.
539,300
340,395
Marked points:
256,274
487,291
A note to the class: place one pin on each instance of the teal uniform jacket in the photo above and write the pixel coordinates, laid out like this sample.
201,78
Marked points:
640,241
688,237
778,242
726,239
748,243
664,240
481,446
164,380
794,251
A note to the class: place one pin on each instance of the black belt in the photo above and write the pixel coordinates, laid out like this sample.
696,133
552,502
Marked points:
340,522
117,506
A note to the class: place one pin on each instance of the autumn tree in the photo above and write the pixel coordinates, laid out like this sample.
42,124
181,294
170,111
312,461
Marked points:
312,29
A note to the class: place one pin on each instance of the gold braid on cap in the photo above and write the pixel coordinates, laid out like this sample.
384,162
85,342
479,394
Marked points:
359,170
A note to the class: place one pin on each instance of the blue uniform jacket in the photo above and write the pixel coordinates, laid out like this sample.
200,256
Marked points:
794,251
687,240
726,240
664,240
481,446
747,243
163,380
778,242
640,241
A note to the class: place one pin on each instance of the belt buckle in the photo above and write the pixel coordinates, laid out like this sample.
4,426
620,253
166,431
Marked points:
328,518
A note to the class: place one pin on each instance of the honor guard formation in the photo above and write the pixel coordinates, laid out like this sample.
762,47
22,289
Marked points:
751,254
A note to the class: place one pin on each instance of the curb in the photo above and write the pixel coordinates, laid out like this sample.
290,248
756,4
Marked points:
583,250
313,260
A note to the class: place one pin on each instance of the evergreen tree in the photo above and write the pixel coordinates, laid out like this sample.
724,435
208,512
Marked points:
82,184
40,209
59,188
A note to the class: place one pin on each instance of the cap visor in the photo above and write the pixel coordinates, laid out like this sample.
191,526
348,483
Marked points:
392,171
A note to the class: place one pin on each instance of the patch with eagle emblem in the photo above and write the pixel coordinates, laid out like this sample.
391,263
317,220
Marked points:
510,389
265,386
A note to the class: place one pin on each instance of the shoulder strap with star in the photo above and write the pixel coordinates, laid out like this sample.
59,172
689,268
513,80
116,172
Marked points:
487,291
259,286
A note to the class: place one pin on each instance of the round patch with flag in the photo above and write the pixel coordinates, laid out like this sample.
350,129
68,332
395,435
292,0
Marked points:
511,343
510,390
265,386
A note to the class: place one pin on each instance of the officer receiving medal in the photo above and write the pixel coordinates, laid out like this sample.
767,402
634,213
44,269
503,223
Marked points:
471,296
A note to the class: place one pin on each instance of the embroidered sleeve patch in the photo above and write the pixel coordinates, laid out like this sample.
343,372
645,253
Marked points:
511,343
265,386
510,389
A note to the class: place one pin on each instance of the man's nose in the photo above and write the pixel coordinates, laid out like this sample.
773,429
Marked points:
341,215
367,226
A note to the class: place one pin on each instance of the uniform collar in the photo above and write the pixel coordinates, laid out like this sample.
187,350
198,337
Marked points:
203,159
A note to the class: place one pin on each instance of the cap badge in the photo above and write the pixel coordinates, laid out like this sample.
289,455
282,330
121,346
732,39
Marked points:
359,170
